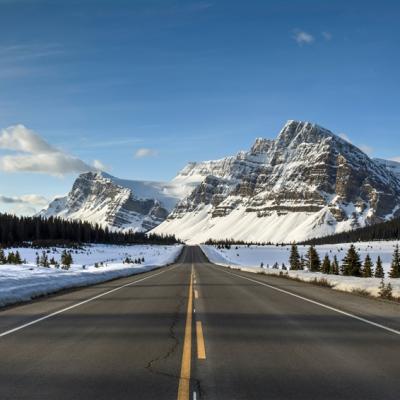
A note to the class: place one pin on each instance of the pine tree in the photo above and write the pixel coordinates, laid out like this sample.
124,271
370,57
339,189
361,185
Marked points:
335,266
352,263
66,259
367,267
2,257
44,261
294,259
17,257
303,263
385,291
326,265
313,260
11,258
379,272
395,268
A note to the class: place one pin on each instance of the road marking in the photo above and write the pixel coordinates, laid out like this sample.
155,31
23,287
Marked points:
184,380
196,294
194,396
35,321
201,348
337,310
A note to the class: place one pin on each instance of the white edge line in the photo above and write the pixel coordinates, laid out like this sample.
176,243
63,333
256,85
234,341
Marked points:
367,321
35,321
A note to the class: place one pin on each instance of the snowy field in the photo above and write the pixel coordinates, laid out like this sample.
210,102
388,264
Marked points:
250,259
24,282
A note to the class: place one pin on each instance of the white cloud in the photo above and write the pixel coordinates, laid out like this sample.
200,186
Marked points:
33,199
20,138
145,152
97,164
33,154
28,204
327,36
57,164
302,37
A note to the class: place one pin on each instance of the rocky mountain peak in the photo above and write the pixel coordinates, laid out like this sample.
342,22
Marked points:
261,145
307,182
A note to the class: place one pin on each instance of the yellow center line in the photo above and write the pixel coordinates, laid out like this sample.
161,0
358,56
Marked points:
201,348
184,381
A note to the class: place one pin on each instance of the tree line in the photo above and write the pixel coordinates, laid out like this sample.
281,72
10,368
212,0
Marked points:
350,266
52,231
227,243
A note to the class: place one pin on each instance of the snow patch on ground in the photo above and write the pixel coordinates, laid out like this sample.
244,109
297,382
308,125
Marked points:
24,282
250,258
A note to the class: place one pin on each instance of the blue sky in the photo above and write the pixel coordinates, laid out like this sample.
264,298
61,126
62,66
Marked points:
143,87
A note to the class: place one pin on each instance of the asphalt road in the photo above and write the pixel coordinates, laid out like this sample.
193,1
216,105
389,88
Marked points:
240,336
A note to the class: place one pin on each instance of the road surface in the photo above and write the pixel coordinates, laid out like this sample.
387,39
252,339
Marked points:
195,330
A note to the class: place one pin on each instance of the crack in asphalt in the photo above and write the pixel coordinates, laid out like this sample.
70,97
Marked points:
151,366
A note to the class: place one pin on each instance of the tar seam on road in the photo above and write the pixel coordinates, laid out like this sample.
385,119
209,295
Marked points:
366,321
18,328
184,381
201,348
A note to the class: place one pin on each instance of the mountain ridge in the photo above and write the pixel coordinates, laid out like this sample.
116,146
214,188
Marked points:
306,182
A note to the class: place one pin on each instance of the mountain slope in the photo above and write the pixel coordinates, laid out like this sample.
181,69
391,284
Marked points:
117,203
307,182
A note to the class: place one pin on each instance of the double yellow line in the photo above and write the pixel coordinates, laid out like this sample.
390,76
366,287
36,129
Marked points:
184,380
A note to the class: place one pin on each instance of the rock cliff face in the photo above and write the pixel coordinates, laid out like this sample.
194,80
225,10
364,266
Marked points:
307,182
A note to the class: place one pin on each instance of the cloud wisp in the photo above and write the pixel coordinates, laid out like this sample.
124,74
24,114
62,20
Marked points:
31,153
368,150
302,37
28,204
344,137
31,199
145,152
327,35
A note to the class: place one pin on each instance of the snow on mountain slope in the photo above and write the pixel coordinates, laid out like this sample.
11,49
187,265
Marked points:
307,182
100,198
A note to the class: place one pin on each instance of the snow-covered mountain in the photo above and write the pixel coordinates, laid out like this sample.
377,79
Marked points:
307,182
100,198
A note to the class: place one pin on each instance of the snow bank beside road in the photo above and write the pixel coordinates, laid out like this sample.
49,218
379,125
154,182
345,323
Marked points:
24,282
249,259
